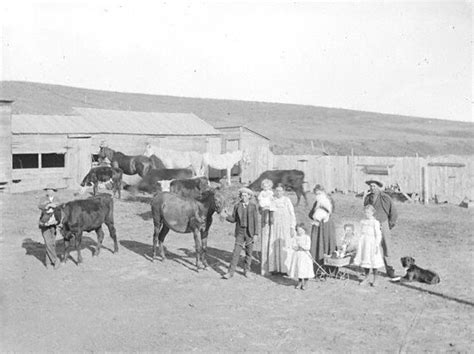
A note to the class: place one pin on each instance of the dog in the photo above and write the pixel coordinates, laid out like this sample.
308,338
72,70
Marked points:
416,273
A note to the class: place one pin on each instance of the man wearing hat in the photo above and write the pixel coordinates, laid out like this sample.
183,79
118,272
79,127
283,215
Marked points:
245,217
386,214
47,205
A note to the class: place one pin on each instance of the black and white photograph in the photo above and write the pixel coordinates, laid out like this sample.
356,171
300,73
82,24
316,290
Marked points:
236,176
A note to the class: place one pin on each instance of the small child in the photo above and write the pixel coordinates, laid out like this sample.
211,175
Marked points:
301,265
265,201
369,249
324,206
348,245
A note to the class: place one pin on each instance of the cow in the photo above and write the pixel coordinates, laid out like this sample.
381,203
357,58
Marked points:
185,215
191,187
104,174
87,215
149,182
290,179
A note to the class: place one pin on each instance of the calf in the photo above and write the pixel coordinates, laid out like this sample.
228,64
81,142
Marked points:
191,188
104,174
290,179
149,182
87,215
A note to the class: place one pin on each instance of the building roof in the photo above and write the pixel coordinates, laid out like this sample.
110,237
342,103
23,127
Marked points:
243,127
97,121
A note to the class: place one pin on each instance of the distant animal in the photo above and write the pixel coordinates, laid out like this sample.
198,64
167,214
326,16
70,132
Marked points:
416,273
176,159
150,182
185,215
104,174
223,161
156,163
130,165
192,187
87,215
291,180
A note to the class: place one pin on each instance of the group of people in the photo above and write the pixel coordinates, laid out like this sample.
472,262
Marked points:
287,249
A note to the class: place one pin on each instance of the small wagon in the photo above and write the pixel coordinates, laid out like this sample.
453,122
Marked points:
334,265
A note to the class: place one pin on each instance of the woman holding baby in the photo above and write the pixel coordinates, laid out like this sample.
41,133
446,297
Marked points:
323,234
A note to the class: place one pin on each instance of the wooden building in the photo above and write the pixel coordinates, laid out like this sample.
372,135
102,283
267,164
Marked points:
60,149
256,147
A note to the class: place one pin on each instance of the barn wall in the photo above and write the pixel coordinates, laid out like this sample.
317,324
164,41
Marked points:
257,149
5,144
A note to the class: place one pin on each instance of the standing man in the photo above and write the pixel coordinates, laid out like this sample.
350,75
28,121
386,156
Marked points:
48,224
386,214
245,217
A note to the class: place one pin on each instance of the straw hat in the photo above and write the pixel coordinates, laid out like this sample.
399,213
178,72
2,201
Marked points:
378,183
246,190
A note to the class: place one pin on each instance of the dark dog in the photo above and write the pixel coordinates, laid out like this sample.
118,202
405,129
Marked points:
416,273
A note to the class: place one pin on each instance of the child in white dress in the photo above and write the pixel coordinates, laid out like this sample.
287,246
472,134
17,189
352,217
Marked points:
301,265
369,250
265,202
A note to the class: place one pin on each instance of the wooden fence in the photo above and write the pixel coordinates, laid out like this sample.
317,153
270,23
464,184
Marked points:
450,178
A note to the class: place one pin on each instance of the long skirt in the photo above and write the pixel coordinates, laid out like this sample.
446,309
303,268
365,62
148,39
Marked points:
323,241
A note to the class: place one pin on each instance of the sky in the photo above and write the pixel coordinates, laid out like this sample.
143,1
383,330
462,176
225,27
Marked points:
404,57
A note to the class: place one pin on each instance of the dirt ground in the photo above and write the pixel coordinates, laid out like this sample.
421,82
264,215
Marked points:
124,302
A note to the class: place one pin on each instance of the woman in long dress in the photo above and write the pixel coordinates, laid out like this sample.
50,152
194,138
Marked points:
276,250
323,234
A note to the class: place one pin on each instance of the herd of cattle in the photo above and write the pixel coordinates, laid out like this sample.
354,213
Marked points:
181,201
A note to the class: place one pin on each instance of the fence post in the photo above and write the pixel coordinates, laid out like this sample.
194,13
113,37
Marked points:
426,195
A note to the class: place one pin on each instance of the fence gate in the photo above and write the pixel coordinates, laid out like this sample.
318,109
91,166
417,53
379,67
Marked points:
78,161
445,181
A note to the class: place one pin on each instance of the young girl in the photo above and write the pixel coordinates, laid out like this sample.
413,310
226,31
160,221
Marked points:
369,250
301,265
265,201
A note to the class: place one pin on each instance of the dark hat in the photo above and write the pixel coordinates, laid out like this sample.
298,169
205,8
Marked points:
50,186
378,183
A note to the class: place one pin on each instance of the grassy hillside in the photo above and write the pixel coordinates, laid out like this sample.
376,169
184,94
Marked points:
291,128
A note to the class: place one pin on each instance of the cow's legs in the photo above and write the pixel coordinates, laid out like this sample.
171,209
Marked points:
197,242
66,250
113,234
100,238
155,240
161,238
204,235
78,242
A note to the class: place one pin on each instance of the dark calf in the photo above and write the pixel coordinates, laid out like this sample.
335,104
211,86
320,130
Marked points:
104,174
87,215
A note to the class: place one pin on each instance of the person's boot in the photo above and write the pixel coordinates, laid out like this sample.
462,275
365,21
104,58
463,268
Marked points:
299,284
304,284
365,279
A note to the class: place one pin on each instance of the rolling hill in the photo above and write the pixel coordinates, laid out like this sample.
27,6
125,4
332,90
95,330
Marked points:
293,129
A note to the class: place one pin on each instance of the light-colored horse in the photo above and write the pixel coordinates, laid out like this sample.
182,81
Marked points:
224,161
176,159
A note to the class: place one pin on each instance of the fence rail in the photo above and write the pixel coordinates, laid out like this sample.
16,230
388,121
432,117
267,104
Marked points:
449,177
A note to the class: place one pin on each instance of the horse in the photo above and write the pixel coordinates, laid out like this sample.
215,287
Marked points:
130,165
176,159
185,215
223,161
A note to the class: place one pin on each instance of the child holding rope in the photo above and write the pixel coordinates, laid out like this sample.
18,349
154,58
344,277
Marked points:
301,265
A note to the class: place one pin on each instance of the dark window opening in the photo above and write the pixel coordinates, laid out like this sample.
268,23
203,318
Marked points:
52,160
25,161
